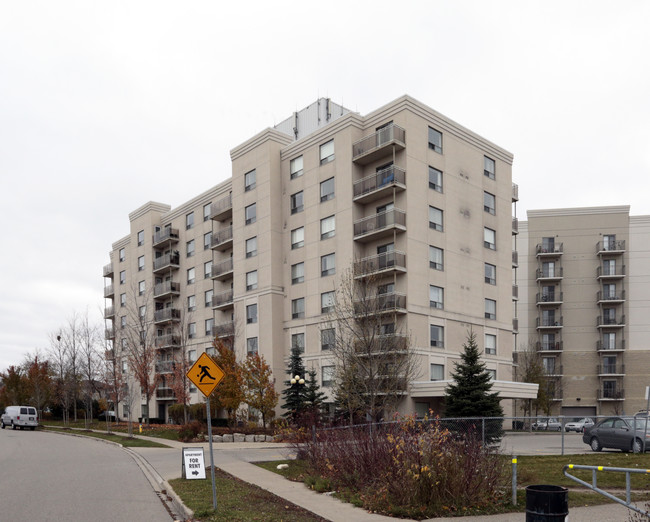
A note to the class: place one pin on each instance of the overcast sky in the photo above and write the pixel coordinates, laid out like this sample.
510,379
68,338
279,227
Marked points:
98,97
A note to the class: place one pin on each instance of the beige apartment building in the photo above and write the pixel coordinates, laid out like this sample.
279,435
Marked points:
587,299
404,194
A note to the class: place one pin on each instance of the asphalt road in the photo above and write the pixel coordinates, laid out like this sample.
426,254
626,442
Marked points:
51,477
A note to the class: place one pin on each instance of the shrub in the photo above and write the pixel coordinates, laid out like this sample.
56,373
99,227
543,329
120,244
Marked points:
176,413
190,431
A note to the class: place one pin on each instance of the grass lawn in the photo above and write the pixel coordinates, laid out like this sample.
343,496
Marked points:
153,430
237,501
124,441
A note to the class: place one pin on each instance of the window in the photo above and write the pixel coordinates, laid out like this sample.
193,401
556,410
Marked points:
122,255
327,265
209,324
609,267
490,344
490,274
327,190
207,269
191,330
490,309
191,303
190,248
437,372
326,302
435,218
141,238
492,374
251,346
435,179
297,273
297,202
249,180
437,334
609,291
123,324
295,167
327,227
549,365
548,269
141,287
297,238
208,297
124,366
436,258
489,238
609,341
211,351
609,242
125,342
251,213
435,140
251,247
206,212
191,275
122,299
488,167
207,240
436,297
140,263
327,339
123,277
189,220
548,293
327,152
298,308
489,203
298,342
548,244
251,280
327,375
251,314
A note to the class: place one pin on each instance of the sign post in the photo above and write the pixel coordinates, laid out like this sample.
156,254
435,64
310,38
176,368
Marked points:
205,374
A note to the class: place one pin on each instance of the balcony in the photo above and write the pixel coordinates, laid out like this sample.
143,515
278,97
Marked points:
222,209
382,344
515,259
609,370
606,394
546,274
556,371
515,192
549,323
224,330
515,226
607,272
379,225
166,289
165,367
610,248
167,341
166,262
166,393
108,270
109,291
381,264
109,312
222,239
222,270
549,298
165,237
555,346
379,144
167,315
547,250
609,347
515,325
109,355
222,300
515,292
610,322
607,298
379,185
381,304
109,334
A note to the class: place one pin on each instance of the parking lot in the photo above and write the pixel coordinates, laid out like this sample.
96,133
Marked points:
543,443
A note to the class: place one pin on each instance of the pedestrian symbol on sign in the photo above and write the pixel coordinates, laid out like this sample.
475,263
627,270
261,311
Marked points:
204,373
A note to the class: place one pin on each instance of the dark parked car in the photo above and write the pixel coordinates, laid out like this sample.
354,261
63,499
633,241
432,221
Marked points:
624,433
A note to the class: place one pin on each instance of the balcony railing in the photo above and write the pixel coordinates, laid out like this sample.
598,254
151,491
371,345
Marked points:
386,262
556,371
382,344
222,239
542,249
379,225
515,292
549,322
610,298
515,259
545,346
610,247
165,261
611,369
109,312
545,273
223,269
515,226
166,315
109,334
515,192
108,270
606,321
609,272
515,325
165,236
222,299
221,209
165,393
165,366
604,346
374,186
109,290
226,329
549,298
607,394
381,303
378,144
166,288
167,341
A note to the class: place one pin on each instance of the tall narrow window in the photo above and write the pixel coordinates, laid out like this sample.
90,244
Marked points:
490,274
250,180
207,240
122,254
297,202
207,269
297,273
123,277
326,302
251,346
209,326
490,309
488,167
190,248
327,376
251,280
489,238
298,340
436,258
435,218
435,179
207,297
327,227
189,220
489,203
327,339
298,308
191,303
206,212
141,238
436,297
490,344
437,334
435,140
251,314
297,238
437,372
251,213
327,152
251,247
327,265
141,286
327,190
191,275
295,167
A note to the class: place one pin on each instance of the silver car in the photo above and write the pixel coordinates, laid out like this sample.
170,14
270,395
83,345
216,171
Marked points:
579,426
624,433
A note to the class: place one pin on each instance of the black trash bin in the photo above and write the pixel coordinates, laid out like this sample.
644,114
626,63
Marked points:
546,503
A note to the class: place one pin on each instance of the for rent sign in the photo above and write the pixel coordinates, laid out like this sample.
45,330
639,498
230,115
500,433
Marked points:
193,463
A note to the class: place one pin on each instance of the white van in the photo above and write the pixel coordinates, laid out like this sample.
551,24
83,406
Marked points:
20,417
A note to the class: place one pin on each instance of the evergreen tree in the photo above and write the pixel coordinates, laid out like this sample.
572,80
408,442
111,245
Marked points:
294,394
470,393
314,398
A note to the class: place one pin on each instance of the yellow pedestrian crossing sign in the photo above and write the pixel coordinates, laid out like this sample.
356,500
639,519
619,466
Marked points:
205,374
